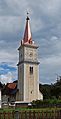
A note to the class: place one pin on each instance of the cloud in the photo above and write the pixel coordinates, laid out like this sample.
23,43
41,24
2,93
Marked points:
50,59
10,24
6,78
50,8
15,7
6,56
2,42
49,68
8,72
45,20
53,60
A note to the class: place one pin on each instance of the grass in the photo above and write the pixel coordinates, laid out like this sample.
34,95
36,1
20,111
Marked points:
29,109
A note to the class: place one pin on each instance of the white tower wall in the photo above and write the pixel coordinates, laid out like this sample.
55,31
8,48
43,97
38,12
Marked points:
28,68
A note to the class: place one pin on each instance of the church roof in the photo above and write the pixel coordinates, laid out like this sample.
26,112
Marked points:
11,85
10,88
27,34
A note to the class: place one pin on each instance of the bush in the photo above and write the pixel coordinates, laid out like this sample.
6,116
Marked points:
46,103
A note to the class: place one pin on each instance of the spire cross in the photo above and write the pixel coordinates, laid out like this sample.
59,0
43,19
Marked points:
27,16
27,13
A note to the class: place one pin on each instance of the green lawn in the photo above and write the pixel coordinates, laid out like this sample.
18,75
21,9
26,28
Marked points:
28,109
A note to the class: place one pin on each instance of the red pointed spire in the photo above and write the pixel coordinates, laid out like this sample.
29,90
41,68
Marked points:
27,34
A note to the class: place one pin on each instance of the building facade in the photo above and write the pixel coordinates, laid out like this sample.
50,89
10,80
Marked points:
28,68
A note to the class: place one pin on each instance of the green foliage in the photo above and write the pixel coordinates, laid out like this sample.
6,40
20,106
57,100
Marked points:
46,103
45,89
52,91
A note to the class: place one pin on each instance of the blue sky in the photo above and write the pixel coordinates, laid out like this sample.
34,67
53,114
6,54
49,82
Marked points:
45,20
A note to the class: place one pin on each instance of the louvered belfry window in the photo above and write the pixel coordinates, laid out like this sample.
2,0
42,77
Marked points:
31,70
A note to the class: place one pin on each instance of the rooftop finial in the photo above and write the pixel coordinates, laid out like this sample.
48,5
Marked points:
27,34
27,13
27,16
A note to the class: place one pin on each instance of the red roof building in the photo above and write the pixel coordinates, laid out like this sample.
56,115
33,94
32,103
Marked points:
11,85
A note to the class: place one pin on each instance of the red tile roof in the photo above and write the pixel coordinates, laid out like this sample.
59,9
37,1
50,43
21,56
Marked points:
11,85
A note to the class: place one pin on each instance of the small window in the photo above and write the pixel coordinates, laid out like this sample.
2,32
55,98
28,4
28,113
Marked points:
31,70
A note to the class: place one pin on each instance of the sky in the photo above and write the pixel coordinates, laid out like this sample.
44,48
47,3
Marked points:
45,20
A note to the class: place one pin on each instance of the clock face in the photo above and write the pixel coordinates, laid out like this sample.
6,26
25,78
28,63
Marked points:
30,54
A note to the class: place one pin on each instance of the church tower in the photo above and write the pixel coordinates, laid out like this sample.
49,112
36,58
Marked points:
28,68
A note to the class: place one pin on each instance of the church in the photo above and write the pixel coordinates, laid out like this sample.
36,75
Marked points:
26,88
28,68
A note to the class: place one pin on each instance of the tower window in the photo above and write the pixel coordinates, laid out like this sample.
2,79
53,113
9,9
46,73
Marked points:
31,70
